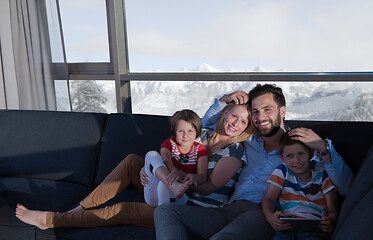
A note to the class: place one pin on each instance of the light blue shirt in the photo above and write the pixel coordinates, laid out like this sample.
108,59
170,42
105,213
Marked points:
252,182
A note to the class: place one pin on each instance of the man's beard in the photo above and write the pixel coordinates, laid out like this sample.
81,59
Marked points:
270,132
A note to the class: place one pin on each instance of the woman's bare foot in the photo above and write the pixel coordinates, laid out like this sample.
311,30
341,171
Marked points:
32,217
178,189
78,208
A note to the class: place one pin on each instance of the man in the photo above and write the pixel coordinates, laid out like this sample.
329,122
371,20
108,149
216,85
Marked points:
242,217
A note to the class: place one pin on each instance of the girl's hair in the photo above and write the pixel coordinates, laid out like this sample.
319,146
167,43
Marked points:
188,116
286,140
246,134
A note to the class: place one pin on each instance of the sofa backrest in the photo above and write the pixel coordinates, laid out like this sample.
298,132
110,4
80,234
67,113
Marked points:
50,145
351,140
129,133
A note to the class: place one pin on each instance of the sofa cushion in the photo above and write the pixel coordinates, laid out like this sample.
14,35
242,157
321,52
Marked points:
50,145
37,194
129,133
358,225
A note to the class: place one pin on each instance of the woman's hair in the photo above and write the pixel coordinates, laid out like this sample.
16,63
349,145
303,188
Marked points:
188,116
286,140
246,134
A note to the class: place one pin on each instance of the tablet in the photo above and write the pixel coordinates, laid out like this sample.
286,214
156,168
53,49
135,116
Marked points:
303,224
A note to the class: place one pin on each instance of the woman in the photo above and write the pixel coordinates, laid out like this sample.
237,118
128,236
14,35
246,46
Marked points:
226,157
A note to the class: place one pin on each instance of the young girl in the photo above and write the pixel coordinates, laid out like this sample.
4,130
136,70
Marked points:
182,161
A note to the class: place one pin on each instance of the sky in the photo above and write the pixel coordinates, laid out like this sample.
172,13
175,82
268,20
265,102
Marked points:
236,35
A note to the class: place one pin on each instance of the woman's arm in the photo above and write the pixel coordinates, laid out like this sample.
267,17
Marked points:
224,170
328,222
201,175
213,114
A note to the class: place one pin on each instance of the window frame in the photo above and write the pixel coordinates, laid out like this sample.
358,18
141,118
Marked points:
118,67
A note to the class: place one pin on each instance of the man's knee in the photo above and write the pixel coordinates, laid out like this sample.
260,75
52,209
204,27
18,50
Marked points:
165,211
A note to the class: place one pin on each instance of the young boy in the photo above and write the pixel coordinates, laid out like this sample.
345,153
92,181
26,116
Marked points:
302,193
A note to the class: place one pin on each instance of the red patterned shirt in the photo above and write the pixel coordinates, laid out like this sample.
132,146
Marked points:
185,162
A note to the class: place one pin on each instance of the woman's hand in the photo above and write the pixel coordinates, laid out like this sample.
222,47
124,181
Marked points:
239,97
143,177
276,223
327,223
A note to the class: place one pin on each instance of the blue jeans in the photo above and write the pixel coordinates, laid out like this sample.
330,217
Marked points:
241,219
290,235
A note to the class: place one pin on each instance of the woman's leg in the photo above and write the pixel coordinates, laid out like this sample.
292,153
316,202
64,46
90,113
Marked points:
126,213
127,172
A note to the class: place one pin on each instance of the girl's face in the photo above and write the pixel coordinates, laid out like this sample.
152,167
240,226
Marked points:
185,133
236,120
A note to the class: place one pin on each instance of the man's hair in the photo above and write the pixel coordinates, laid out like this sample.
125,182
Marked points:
260,90
286,140
188,116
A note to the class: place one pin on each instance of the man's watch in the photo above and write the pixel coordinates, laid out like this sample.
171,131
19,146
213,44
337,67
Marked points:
327,150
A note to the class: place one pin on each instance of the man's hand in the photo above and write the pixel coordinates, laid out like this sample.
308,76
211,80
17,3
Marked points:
239,97
308,137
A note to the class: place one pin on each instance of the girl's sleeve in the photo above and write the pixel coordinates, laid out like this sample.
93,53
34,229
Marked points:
202,151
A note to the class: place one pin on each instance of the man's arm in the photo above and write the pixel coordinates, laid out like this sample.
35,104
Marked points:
334,165
341,174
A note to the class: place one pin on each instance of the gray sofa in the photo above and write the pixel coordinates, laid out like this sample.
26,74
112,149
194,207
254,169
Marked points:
52,160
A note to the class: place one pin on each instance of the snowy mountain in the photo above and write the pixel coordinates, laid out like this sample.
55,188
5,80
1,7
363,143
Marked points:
341,101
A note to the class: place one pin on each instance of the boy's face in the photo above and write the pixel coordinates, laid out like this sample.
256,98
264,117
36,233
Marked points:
297,158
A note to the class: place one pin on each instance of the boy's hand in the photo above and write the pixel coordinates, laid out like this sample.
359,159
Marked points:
327,223
276,223
239,97
143,177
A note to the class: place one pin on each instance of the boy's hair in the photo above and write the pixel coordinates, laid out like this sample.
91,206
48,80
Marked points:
260,90
286,140
188,116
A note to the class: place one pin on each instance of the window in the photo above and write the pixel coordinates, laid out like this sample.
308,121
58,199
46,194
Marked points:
326,101
85,31
249,36
86,96
183,54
